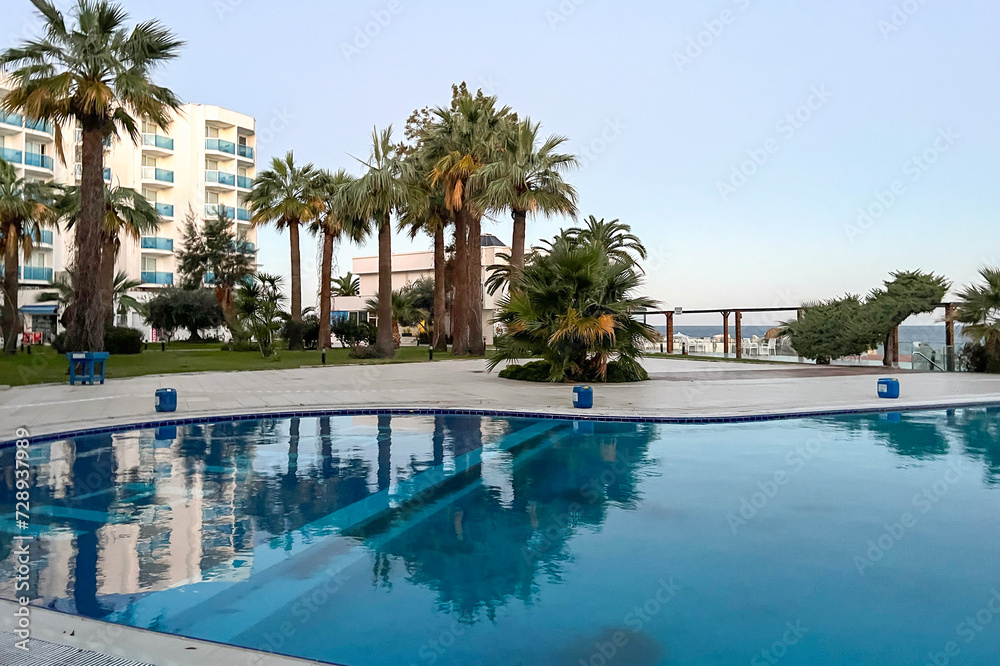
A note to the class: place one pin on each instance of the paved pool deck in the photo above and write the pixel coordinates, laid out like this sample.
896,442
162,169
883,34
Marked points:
679,388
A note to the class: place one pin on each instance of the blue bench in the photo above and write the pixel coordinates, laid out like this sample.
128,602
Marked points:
91,365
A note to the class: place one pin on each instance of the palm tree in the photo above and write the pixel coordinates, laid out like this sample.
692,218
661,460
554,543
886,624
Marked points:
334,224
125,212
460,141
371,200
24,207
259,305
122,299
97,72
286,196
346,285
614,236
404,311
979,312
526,179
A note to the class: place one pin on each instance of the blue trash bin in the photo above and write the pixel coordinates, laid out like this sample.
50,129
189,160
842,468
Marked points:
583,397
888,388
166,400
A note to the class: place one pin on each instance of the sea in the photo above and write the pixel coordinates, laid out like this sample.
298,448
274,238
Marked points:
931,335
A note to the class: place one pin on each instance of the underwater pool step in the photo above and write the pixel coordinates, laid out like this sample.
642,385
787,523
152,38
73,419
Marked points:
43,653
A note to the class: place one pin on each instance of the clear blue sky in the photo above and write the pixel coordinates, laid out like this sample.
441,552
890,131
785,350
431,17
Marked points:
664,123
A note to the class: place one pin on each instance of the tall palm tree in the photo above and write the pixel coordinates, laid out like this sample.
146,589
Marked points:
347,284
526,178
24,208
460,141
125,212
97,71
287,196
979,312
334,223
372,199
615,237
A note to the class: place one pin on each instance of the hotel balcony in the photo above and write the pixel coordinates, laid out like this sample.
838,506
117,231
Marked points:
219,180
10,155
245,247
213,210
165,210
215,145
154,245
244,182
41,126
243,215
10,123
244,152
155,144
36,273
155,278
38,161
157,178
42,238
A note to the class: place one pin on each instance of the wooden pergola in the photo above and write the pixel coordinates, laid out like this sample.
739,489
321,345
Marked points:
949,311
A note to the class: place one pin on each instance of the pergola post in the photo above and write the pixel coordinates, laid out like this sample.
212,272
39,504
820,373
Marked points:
949,336
670,332
739,334
725,332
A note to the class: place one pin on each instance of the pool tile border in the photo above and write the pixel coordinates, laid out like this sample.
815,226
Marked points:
438,411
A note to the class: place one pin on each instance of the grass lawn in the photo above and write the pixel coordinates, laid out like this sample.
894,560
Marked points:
45,366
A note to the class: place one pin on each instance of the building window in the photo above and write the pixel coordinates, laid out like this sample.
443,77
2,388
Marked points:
211,132
149,195
149,264
148,161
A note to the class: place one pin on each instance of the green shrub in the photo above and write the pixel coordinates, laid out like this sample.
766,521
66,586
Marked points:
352,333
241,345
59,343
536,371
364,351
118,340
975,358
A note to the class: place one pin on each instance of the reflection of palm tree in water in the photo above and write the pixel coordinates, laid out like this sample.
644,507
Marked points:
979,431
93,475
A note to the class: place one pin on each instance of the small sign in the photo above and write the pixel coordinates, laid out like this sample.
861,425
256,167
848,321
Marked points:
678,311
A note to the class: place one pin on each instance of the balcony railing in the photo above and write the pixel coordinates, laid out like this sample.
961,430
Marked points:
221,146
245,247
244,182
162,244
42,236
38,160
79,138
244,151
243,215
10,155
157,141
165,210
37,273
220,177
152,277
154,173
38,125
213,210
14,119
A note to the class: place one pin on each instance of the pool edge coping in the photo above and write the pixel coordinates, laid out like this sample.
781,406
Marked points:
503,413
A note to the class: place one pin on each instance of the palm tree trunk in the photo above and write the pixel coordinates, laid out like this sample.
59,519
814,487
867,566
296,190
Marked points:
459,319
108,252
517,242
384,342
889,349
325,286
224,295
477,346
293,238
86,327
439,342
11,318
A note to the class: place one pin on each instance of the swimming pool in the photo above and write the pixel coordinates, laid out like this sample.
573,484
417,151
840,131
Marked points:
458,539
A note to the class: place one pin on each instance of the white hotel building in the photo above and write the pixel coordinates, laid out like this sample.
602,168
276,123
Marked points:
205,160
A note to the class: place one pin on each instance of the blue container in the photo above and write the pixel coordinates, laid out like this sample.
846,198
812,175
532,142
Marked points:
166,400
888,388
583,397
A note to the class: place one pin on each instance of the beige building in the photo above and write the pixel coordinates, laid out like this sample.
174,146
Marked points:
408,267
205,162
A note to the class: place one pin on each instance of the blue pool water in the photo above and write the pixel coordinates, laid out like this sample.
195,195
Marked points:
455,539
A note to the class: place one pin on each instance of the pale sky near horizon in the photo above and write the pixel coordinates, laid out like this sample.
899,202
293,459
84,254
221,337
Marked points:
666,102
